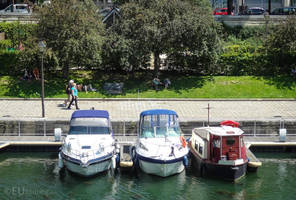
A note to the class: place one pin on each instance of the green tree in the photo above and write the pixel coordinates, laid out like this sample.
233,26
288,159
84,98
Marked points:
73,30
171,27
119,53
281,47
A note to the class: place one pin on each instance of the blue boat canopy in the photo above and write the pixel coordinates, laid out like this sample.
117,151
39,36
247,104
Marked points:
158,112
90,114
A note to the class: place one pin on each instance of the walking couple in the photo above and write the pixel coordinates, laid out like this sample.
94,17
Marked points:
71,91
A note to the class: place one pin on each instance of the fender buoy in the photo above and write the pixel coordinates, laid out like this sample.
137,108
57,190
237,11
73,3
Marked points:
183,141
185,162
60,163
113,163
117,160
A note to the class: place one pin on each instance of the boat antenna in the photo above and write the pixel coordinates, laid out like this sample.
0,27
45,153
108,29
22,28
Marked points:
208,108
208,114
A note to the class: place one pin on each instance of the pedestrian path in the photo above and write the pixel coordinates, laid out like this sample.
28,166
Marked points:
129,109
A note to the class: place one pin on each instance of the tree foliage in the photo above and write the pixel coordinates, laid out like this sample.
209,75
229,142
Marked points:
17,32
119,53
180,29
73,31
281,47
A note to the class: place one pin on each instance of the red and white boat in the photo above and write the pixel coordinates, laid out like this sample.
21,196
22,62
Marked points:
219,151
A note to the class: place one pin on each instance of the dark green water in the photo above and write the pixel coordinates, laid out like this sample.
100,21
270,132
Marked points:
35,176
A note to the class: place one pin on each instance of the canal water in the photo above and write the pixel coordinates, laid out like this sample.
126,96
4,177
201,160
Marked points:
36,176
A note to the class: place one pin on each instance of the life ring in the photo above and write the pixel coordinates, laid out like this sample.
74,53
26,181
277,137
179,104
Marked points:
183,141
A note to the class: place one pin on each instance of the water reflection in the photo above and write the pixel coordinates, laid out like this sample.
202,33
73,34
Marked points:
36,176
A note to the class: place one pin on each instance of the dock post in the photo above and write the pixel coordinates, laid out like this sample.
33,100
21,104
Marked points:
44,128
255,128
19,128
123,128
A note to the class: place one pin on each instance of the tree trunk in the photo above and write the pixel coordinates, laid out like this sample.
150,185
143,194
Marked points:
156,63
66,71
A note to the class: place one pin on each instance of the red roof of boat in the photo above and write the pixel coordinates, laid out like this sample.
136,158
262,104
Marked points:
229,123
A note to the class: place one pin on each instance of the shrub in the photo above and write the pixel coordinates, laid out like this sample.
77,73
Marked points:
17,32
244,33
240,59
8,62
5,44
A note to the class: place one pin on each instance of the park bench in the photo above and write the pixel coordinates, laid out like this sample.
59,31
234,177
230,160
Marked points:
113,88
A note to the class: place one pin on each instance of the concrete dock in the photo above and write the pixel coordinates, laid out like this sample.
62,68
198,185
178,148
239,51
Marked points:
189,110
250,141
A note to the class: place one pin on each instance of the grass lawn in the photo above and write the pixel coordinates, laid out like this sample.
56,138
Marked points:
139,85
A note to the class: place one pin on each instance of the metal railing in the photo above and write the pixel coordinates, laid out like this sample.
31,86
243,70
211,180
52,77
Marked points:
123,128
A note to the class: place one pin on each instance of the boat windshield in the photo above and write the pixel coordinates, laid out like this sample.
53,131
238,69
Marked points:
159,126
89,126
75,130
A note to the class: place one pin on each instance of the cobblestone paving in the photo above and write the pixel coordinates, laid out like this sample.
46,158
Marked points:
130,109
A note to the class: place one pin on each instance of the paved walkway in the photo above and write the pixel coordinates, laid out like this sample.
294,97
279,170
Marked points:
129,109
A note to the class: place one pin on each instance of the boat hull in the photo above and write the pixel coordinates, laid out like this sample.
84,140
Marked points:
88,170
226,172
161,168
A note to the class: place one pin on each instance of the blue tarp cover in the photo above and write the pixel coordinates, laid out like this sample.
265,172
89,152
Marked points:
158,112
90,113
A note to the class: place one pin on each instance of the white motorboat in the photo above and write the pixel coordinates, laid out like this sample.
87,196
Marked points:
161,148
89,148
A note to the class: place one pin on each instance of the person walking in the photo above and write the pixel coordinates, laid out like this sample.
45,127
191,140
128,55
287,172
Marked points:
68,92
74,93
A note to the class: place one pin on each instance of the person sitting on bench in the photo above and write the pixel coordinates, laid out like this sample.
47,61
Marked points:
155,83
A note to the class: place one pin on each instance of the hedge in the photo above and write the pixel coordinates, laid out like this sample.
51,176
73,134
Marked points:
241,59
8,62
17,32
5,44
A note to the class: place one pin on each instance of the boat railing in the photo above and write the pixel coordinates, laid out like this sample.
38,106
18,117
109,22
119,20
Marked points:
89,154
168,143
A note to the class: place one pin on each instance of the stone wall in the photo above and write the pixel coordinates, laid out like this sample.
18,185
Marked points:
250,20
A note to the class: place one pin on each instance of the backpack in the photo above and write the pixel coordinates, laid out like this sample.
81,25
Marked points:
68,90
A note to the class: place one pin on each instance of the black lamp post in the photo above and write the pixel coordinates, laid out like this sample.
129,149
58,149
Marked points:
42,47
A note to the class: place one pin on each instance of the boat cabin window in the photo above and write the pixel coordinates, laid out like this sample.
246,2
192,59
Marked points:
89,126
200,150
159,126
75,130
230,141
196,146
216,143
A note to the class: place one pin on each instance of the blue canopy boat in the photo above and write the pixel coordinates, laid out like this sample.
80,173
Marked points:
89,148
161,148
